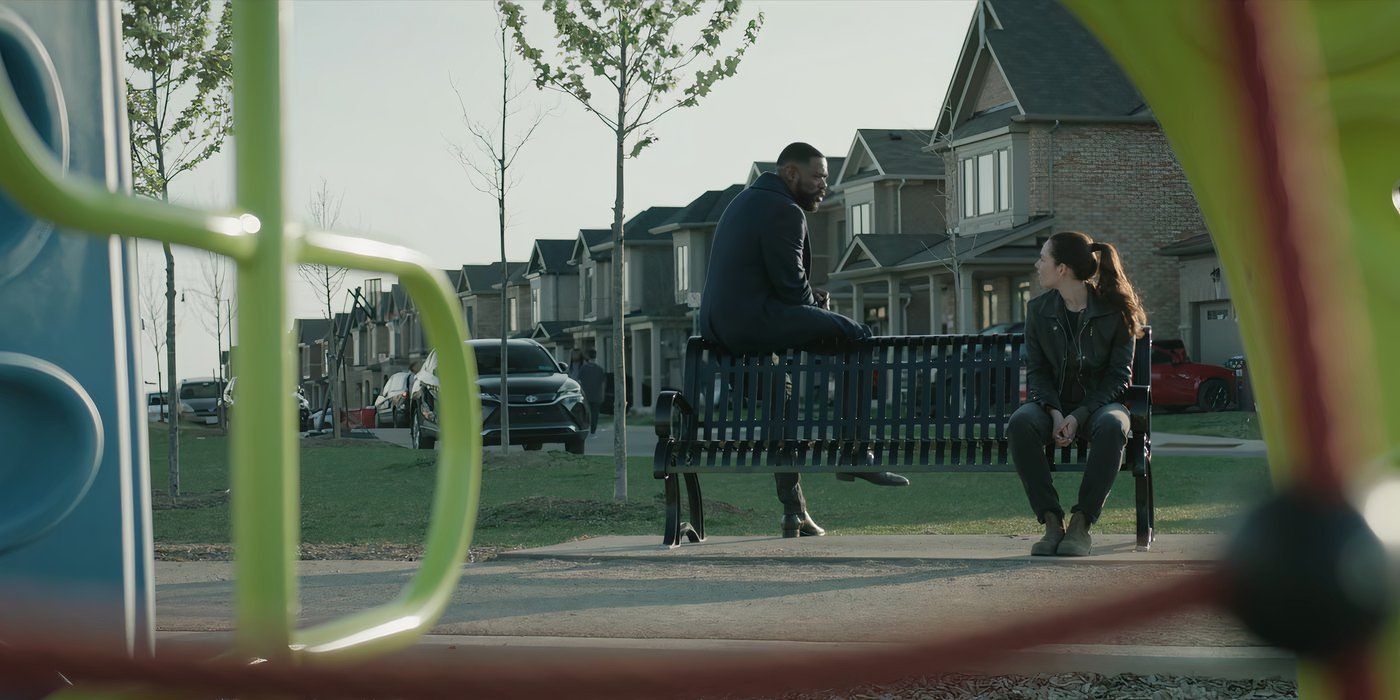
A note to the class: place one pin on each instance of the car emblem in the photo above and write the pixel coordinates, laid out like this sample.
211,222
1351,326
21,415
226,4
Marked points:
531,398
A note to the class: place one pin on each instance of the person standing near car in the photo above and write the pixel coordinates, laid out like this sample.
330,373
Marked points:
1079,356
593,380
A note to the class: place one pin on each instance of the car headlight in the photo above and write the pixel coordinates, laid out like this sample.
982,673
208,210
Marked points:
570,393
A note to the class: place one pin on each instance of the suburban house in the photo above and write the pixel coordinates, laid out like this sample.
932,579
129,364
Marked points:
479,292
553,291
892,195
1209,323
691,231
519,319
313,367
651,311
1040,132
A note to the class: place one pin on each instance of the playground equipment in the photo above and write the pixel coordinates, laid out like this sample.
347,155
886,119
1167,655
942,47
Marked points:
1284,116
74,518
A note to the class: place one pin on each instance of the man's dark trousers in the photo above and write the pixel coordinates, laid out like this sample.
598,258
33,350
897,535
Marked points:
594,409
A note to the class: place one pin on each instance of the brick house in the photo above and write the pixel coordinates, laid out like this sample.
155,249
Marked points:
479,294
1040,131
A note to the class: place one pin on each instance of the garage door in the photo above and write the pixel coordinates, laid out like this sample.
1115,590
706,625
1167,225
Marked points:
1218,333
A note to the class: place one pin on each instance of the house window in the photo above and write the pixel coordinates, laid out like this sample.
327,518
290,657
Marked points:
1023,298
682,268
986,181
471,321
535,305
588,290
989,305
860,219
305,352
626,280
514,319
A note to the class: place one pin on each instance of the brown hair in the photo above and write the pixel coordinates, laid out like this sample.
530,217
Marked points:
1088,259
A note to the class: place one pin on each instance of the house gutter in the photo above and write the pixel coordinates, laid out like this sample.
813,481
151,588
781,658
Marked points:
1083,119
1050,166
899,206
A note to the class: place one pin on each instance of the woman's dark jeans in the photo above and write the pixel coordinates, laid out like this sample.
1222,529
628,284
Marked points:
1030,430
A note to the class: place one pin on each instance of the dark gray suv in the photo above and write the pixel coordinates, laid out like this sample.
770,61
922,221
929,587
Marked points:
545,404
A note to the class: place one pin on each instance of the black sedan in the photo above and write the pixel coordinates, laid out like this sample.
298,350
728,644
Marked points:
545,404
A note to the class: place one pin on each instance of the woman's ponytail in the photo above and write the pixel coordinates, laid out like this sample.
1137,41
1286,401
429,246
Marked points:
1113,286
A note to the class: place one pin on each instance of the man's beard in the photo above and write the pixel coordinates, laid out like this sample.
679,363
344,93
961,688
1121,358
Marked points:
809,201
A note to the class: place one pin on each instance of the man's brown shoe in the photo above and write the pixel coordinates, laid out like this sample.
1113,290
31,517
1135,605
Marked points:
1054,532
1077,542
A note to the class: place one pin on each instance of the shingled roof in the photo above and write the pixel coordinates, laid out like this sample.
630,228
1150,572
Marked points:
1054,65
312,330
703,210
551,256
481,278
894,153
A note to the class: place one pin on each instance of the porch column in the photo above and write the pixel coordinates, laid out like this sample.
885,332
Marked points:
965,303
896,309
935,306
857,303
637,370
656,380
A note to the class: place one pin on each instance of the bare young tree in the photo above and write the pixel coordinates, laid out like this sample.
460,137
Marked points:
152,309
179,55
639,56
327,280
215,296
487,162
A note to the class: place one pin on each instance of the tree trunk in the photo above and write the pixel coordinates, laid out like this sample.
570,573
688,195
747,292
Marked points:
505,327
172,383
619,306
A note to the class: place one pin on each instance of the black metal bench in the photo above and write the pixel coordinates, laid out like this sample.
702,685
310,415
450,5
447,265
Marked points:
916,403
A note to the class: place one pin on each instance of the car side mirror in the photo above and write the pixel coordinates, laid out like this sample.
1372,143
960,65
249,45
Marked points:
563,367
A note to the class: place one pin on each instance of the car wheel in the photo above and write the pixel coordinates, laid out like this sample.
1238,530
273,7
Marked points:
416,436
1213,395
574,446
532,446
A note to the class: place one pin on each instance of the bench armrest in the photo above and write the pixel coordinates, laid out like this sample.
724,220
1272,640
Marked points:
667,403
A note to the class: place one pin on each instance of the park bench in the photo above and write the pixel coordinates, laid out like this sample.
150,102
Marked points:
903,403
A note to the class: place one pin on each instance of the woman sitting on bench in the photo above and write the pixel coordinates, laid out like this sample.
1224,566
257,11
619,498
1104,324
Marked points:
1079,355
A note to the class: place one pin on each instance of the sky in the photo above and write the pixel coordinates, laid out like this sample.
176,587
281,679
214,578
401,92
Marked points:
371,111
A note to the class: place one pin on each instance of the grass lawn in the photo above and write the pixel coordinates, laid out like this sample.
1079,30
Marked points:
367,493
1243,425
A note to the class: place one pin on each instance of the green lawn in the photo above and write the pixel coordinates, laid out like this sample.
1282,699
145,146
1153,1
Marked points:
363,494
1230,424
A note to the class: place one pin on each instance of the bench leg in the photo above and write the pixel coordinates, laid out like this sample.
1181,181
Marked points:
697,508
675,529
1145,506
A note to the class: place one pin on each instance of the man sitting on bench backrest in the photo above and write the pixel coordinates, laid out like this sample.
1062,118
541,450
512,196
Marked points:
758,298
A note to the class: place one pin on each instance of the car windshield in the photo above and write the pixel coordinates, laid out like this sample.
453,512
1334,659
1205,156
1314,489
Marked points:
200,390
524,359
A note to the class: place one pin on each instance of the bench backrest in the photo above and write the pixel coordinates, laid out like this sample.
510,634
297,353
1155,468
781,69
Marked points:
893,392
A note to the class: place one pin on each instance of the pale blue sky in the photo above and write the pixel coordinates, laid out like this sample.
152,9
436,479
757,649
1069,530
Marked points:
370,109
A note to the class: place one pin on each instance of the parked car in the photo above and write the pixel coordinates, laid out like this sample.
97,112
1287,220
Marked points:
303,406
391,406
1013,327
202,395
545,404
156,407
1178,383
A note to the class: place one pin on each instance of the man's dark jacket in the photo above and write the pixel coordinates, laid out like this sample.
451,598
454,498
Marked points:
757,297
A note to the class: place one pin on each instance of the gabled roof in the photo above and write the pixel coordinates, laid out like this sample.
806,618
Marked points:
1053,66
702,211
550,257
455,277
481,278
890,153
588,239
312,330
647,220
545,330
886,250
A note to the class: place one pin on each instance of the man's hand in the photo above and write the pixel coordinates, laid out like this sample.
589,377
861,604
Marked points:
1064,434
822,298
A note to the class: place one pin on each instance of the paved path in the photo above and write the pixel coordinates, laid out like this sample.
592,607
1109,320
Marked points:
620,593
641,440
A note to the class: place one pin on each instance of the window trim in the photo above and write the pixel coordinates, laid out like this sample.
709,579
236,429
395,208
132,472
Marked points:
971,165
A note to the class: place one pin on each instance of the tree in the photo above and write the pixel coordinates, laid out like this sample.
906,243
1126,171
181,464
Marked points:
631,45
178,115
488,166
215,296
153,330
327,281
